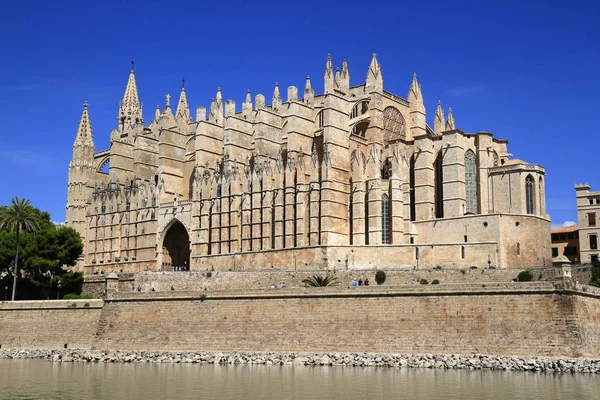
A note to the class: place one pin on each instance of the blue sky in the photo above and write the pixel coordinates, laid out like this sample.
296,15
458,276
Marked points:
526,72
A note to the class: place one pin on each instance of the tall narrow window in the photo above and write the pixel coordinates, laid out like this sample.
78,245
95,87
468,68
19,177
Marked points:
471,182
439,186
591,219
462,252
351,213
411,178
518,249
385,219
367,215
541,196
530,195
593,242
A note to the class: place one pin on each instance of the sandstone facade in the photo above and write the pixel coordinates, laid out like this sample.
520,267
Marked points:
353,177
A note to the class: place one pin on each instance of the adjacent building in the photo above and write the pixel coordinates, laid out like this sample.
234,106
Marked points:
588,209
354,177
565,242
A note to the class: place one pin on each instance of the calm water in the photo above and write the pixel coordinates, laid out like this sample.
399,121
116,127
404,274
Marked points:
34,379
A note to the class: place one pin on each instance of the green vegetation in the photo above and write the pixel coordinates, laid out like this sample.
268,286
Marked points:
435,282
595,281
40,249
438,267
423,281
321,281
524,276
75,296
380,277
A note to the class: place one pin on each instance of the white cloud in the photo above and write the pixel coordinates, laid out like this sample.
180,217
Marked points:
564,224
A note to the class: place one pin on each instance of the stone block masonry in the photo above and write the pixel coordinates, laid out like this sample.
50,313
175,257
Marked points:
504,319
49,324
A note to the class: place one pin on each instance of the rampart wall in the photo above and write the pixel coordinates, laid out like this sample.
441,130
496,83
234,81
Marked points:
49,324
529,319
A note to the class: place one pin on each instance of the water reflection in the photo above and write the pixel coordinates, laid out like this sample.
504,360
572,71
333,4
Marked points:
34,379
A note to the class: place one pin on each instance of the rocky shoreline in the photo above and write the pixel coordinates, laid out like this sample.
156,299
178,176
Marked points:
438,361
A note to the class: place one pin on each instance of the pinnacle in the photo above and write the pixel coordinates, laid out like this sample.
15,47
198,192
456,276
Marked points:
84,131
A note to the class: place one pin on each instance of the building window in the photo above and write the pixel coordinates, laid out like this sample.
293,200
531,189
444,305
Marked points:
127,205
103,208
321,119
439,186
591,219
385,219
597,200
591,201
359,108
416,253
594,259
554,252
471,182
529,195
393,125
411,180
593,242
219,190
518,249
462,252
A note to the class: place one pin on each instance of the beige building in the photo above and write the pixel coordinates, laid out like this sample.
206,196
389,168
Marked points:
351,178
588,209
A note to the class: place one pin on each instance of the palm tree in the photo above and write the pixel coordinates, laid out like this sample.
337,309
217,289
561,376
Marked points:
318,281
18,217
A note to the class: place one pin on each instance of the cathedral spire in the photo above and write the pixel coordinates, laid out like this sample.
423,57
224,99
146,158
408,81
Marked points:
157,113
84,131
450,125
247,104
439,122
374,76
183,110
418,124
414,92
329,76
344,80
130,109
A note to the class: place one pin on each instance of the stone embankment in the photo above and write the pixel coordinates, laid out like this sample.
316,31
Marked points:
470,362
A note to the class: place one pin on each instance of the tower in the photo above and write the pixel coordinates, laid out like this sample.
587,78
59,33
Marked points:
81,172
130,108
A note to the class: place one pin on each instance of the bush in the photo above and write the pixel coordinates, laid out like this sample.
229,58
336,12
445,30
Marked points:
321,281
435,282
75,296
524,276
492,267
423,281
380,277
208,274
473,267
595,281
439,267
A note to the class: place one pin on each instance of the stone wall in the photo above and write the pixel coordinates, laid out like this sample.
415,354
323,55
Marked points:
49,324
528,319
504,319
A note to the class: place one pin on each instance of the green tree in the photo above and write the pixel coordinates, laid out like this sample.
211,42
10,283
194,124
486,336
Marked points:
19,217
43,255
595,281
319,281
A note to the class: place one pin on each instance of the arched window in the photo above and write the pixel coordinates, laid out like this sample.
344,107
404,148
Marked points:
471,182
359,108
530,194
411,177
393,124
320,119
439,186
385,219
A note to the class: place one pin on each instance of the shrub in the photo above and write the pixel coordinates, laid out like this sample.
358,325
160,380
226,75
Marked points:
473,267
202,297
492,267
423,281
524,276
208,274
435,282
75,296
380,277
321,281
74,305
438,267
87,305
595,281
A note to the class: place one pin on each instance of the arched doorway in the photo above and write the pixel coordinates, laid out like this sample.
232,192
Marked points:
176,248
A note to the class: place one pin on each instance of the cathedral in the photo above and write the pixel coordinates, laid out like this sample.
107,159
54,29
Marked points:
353,178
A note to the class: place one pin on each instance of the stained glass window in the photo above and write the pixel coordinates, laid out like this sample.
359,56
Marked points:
471,182
385,219
529,195
393,124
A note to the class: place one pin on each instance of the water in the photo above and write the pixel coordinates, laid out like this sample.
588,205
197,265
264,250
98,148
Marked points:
35,379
